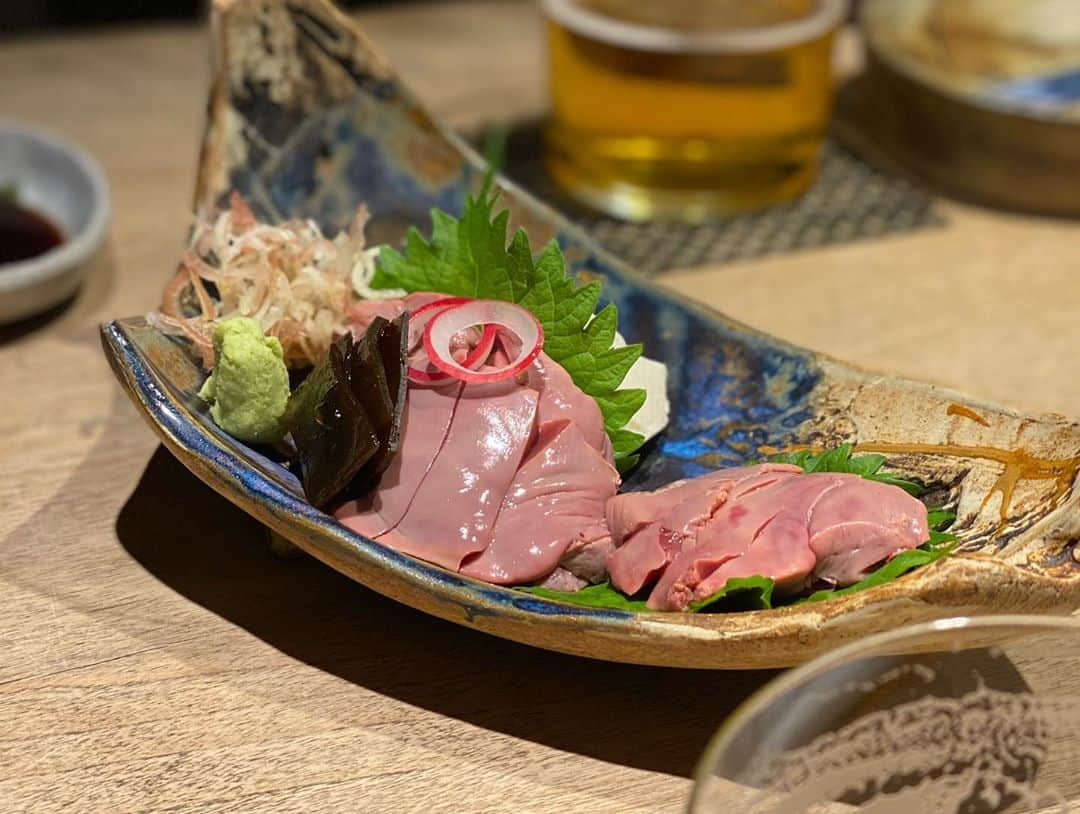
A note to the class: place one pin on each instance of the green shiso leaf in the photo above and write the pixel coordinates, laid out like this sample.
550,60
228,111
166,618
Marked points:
601,595
896,567
840,459
744,593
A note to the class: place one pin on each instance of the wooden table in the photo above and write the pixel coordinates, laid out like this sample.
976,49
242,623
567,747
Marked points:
150,665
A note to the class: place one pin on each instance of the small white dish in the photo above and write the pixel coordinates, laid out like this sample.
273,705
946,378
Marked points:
60,181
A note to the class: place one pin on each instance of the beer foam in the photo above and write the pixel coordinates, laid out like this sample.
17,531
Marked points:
596,25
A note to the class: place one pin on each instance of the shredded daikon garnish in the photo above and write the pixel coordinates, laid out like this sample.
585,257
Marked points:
363,273
290,278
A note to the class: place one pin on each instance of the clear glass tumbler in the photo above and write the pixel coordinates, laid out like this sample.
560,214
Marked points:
972,716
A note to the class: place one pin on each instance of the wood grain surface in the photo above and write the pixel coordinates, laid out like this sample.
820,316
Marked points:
155,656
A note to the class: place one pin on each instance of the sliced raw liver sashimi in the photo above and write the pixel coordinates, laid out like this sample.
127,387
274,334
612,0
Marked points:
557,498
780,551
818,526
456,505
861,524
455,463
425,425
653,527
632,511
638,562
560,398
734,528
586,558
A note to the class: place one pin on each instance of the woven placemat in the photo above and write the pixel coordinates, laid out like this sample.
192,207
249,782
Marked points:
850,200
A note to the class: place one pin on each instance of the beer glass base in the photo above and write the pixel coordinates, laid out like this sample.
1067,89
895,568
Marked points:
639,202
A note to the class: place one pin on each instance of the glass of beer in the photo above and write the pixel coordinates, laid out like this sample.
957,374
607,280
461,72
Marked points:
687,109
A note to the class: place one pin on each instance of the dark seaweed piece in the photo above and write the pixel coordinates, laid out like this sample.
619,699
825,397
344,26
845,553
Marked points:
333,436
367,379
297,376
343,418
393,346
378,381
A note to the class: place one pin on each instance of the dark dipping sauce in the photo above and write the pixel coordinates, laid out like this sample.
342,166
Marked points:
24,233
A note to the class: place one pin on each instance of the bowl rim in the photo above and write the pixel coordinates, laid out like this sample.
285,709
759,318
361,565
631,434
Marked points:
872,15
777,687
79,247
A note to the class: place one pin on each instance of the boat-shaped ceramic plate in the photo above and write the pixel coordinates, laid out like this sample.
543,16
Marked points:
305,119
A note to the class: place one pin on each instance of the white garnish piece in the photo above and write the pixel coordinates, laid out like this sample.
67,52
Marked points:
651,376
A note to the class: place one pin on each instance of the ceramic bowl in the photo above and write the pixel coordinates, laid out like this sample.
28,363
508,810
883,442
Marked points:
59,180
307,120
963,133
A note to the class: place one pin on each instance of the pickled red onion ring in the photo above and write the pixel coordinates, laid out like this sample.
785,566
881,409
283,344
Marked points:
418,319
421,316
519,321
